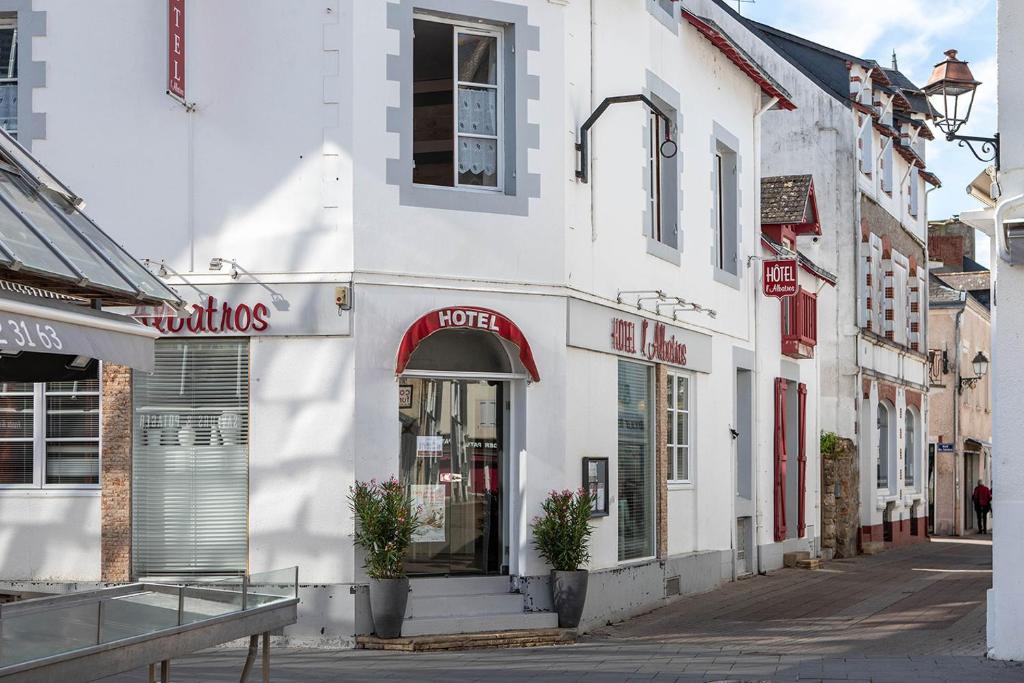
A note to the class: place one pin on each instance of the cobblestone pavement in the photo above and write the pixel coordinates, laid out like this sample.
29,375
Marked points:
914,614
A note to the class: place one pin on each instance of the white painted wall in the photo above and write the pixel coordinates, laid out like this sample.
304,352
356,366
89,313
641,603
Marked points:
1006,598
50,536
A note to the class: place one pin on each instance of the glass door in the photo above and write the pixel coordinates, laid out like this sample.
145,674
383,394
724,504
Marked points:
452,460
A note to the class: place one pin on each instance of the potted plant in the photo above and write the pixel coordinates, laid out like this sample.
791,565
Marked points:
385,524
562,537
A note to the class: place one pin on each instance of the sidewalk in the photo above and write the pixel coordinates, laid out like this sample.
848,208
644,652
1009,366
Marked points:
914,614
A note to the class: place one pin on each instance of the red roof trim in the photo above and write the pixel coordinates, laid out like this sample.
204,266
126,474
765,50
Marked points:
805,263
753,71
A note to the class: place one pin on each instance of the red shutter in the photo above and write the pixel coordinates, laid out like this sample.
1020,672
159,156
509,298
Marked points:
780,458
801,521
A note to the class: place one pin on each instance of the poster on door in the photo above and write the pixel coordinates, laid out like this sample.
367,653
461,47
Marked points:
428,499
429,446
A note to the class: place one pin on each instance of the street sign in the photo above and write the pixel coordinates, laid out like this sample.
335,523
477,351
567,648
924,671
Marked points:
176,49
944,447
779,278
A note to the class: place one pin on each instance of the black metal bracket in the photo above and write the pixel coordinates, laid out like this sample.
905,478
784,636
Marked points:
988,147
968,382
668,147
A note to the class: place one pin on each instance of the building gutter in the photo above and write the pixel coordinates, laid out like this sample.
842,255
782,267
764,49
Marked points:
957,513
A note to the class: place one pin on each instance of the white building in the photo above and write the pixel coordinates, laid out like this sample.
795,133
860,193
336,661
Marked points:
860,132
384,286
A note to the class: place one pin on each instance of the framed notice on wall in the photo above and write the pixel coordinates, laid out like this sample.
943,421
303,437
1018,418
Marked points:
595,480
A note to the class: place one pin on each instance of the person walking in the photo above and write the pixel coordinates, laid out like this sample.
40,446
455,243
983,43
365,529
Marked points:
982,498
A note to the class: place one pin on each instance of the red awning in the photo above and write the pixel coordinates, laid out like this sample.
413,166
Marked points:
465,318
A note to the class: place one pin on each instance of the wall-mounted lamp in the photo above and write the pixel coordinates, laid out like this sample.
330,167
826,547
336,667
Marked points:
217,263
950,91
668,147
980,364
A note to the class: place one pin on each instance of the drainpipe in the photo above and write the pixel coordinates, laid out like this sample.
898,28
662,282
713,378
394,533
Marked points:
755,411
593,151
957,513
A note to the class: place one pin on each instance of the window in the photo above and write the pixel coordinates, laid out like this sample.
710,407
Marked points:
883,446
910,449
887,167
190,460
866,145
800,324
663,192
678,427
635,466
9,76
457,105
725,210
915,188
898,305
50,434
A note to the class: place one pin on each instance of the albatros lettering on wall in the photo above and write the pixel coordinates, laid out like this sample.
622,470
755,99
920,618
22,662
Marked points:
211,317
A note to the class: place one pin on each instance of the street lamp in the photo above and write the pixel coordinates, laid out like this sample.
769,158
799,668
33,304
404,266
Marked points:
950,91
980,364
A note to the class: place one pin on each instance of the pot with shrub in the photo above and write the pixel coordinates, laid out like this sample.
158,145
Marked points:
562,537
385,525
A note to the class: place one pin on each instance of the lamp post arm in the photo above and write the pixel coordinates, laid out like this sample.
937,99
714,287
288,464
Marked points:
988,148
583,146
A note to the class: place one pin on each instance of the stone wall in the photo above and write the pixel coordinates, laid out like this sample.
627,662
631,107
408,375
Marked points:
840,487
116,474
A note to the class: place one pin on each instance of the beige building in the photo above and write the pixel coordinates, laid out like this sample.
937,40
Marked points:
960,403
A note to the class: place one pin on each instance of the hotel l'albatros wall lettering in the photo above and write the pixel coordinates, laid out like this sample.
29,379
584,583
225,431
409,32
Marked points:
257,310
610,330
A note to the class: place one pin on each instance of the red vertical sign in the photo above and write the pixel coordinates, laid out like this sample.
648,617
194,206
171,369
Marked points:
176,48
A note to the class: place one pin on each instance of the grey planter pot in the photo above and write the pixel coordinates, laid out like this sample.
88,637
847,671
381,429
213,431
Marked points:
569,594
388,598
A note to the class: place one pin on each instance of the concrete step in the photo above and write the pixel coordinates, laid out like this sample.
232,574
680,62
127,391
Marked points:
469,641
812,563
459,585
464,605
419,626
790,559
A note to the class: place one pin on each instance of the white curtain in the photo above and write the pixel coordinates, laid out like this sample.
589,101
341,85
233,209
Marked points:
478,155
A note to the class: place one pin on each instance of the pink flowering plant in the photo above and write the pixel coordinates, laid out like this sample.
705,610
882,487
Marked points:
385,525
562,534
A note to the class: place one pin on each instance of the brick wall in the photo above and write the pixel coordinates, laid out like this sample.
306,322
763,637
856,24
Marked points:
840,502
116,475
949,249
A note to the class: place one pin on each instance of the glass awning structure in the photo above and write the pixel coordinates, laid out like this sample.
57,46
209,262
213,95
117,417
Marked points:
58,269
46,240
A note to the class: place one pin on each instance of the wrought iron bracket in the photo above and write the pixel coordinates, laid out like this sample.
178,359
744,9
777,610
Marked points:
668,147
988,148
968,382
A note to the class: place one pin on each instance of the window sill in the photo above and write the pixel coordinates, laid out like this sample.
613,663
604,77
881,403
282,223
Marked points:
674,485
50,493
664,251
726,278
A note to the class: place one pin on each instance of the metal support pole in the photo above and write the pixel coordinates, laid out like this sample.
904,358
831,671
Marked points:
254,643
165,671
181,604
266,657
152,673
99,622
245,591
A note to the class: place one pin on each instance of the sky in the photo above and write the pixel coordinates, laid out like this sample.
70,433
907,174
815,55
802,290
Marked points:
919,31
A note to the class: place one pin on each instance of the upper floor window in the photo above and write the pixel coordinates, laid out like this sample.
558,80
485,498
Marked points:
884,429
663,192
887,166
914,192
458,134
50,433
725,209
9,76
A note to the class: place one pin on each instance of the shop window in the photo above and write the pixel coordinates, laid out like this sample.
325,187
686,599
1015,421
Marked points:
910,449
726,207
663,184
635,463
800,324
679,427
886,445
190,460
50,434
9,76
458,117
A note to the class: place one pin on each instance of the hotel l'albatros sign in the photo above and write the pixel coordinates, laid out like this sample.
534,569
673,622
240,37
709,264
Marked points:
610,330
779,278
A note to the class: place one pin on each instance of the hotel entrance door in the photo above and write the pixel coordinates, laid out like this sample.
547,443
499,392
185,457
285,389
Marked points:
453,462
